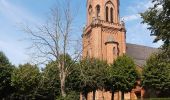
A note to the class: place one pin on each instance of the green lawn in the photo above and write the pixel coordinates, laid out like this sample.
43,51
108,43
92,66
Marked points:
157,99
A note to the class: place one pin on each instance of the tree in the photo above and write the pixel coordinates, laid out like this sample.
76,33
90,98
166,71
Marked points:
93,75
156,71
49,85
25,80
5,76
156,75
158,19
55,38
73,80
124,74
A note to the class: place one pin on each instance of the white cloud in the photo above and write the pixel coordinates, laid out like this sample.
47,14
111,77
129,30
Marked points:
12,15
134,11
17,14
136,31
139,7
131,17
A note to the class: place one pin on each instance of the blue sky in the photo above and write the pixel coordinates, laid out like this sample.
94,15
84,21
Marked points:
13,13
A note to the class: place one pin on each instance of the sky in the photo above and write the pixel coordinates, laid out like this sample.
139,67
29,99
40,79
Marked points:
15,13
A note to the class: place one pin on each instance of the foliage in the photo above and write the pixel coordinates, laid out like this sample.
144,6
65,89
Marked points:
73,80
71,96
156,74
72,77
5,76
158,19
49,86
25,80
93,74
123,74
54,38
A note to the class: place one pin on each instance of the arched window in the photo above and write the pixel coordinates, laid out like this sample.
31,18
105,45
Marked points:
111,15
107,19
97,10
90,9
90,14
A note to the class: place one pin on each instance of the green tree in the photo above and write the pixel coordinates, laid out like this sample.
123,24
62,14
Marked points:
156,72
55,38
123,74
25,80
158,19
156,75
72,81
48,88
5,76
93,75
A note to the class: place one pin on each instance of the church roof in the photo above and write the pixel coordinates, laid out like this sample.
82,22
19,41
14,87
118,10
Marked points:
139,53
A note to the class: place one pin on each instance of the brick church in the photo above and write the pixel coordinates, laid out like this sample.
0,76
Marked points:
104,37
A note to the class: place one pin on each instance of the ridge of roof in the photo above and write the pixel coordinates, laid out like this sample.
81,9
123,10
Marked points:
141,45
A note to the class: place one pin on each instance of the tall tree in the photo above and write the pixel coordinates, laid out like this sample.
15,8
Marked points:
49,85
156,71
25,80
124,74
156,75
158,19
56,38
5,76
93,75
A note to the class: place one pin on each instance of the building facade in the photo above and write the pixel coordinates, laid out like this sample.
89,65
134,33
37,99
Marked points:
104,34
104,38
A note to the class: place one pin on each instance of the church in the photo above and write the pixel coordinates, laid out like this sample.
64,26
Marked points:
104,37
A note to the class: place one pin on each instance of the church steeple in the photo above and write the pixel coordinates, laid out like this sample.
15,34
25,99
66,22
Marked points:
107,10
104,35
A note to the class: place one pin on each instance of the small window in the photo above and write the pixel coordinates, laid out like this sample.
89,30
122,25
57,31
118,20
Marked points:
111,15
90,9
107,19
98,10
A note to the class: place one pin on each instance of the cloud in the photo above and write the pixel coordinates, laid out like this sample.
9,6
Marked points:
136,31
11,16
139,7
17,14
131,17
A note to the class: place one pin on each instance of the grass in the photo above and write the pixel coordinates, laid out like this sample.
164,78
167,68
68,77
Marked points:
157,99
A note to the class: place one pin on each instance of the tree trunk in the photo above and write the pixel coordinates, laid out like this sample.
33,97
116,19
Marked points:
63,86
94,94
122,95
112,95
62,81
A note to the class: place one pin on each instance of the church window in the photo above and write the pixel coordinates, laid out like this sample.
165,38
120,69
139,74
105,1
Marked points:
98,10
107,14
90,12
111,15
90,9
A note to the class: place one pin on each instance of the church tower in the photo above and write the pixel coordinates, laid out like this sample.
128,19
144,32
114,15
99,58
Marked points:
104,35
